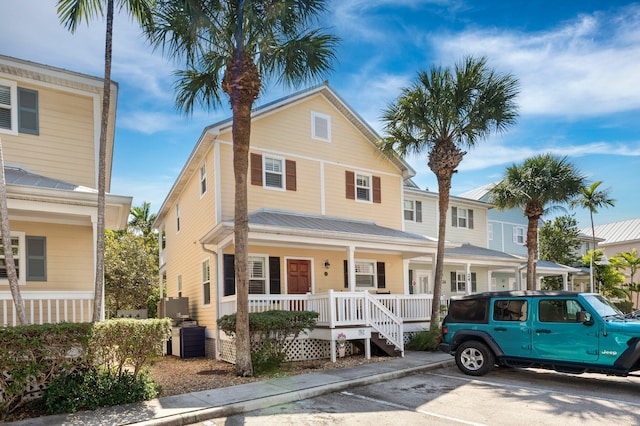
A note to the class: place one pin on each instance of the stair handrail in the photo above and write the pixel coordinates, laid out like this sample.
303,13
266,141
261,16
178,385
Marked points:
391,328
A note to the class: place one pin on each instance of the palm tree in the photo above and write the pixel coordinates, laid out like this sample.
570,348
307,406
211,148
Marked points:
230,47
9,263
71,13
142,219
592,199
532,186
444,112
629,260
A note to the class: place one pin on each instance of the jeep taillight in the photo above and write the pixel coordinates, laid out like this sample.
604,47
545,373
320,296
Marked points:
445,330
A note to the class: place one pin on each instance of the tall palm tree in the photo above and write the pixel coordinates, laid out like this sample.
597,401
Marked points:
537,185
442,113
71,14
142,219
9,263
592,199
230,47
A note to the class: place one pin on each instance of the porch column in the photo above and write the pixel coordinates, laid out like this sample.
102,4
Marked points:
467,287
405,276
518,279
565,281
352,267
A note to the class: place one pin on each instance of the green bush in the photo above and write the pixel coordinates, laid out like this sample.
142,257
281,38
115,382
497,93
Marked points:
94,388
272,334
626,306
426,340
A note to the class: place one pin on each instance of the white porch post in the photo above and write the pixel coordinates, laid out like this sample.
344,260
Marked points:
405,276
467,287
518,279
565,281
352,267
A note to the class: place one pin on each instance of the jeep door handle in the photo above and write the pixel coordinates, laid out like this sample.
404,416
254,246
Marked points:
500,329
543,330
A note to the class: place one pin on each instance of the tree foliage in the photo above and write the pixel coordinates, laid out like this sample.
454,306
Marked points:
559,243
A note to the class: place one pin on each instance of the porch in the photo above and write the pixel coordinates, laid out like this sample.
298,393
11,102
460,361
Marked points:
48,307
358,315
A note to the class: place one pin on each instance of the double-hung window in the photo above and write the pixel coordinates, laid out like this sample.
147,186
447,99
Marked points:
203,179
365,274
19,258
206,283
460,282
519,235
461,217
257,275
273,172
18,109
363,187
409,210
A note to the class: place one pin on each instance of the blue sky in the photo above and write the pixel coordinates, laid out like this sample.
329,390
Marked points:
578,62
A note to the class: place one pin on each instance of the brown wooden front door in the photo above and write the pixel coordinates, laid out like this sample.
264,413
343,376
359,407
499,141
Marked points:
298,276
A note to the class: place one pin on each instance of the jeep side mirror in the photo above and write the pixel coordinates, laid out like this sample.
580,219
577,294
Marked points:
584,317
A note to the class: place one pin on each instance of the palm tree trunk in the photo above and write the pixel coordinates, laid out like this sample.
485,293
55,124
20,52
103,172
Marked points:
102,168
5,230
532,251
444,188
593,251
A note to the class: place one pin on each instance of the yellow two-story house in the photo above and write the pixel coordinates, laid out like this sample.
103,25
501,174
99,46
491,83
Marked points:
50,133
326,227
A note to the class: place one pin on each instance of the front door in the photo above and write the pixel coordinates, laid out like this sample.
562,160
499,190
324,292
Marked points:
422,283
298,276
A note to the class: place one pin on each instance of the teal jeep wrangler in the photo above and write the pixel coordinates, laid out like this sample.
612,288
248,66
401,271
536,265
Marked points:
566,331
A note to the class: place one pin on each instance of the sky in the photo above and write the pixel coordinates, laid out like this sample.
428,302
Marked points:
577,61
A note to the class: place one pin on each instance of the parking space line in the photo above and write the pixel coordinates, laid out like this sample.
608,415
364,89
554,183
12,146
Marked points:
407,408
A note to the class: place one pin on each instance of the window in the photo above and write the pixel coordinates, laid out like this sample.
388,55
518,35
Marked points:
321,127
365,273
177,217
19,256
203,179
461,218
510,310
460,282
519,235
36,252
490,231
273,176
206,283
18,109
257,275
363,187
409,210
559,310
179,286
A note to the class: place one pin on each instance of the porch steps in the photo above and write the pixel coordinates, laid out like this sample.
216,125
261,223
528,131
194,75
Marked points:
379,342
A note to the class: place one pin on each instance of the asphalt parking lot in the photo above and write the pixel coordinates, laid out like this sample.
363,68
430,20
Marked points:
448,397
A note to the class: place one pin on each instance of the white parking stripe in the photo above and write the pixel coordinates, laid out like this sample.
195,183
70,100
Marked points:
529,388
403,407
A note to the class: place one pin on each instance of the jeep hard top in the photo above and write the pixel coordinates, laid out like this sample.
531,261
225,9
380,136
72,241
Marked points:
566,331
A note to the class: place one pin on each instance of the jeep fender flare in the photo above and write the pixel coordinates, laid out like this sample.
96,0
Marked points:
482,336
630,356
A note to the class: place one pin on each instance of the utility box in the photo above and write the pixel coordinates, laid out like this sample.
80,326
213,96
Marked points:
187,342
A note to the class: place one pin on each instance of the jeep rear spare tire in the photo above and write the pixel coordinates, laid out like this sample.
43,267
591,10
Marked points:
474,358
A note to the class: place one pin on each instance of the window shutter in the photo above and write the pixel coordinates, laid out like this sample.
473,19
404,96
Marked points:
382,283
256,169
229,274
411,281
515,234
454,217
27,111
36,249
470,222
274,275
418,211
473,282
290,167
377,192
346,274
350,184
454,284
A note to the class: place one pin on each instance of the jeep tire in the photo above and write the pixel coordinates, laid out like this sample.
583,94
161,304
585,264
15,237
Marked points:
474,358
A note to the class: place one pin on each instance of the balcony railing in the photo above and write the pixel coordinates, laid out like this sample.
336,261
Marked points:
48,307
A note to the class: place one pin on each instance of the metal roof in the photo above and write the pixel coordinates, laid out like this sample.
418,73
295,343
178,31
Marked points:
617,232
19,176
467,249
479,193
329,224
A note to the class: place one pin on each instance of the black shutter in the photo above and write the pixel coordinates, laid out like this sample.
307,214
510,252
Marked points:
473,282
229,271
274,275
454,286
418,211
411,281
382,282
454,217
470,218
346,274
36,252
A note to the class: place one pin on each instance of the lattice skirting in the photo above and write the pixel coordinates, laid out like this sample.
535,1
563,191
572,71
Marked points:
300,350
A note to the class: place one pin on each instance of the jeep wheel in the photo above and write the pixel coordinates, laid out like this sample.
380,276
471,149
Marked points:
474,358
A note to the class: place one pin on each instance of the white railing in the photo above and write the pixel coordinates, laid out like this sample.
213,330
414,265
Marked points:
385,322
48,307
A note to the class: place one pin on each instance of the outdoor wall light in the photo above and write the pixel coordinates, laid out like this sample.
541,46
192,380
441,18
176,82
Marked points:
327,265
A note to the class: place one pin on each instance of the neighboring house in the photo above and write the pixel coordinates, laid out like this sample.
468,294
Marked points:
325,225
507,234
50,131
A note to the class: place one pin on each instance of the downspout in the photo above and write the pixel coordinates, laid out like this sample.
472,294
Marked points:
215,256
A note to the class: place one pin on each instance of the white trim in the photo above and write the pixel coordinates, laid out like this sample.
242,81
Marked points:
374,274
267,275
202,280
370,187
218,184
203,166
311,272
323,194
413,210
283,172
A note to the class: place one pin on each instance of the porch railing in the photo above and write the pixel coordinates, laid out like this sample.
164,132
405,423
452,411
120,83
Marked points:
48,307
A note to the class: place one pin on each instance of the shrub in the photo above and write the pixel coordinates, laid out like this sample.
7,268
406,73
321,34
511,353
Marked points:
94,388
626,306
272,334
426,340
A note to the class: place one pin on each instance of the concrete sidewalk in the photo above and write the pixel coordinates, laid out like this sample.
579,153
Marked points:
222,402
